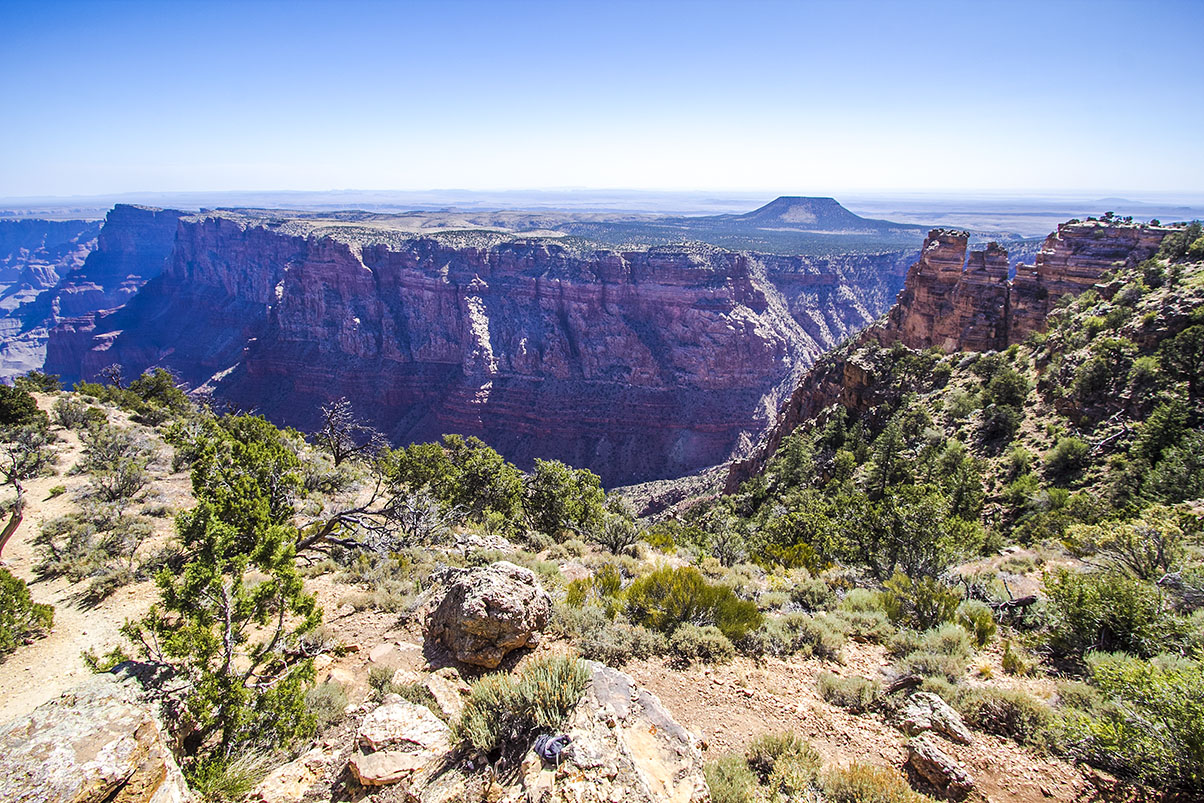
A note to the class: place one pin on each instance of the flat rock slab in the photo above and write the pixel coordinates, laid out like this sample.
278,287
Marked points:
94,744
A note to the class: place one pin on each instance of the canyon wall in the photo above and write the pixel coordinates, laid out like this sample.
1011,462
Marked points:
80,271
639,363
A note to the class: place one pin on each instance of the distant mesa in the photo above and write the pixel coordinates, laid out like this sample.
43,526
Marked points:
812,214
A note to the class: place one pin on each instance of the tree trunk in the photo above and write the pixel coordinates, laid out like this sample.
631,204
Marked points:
14,522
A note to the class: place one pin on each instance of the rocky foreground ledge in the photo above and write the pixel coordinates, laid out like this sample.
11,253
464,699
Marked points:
97,744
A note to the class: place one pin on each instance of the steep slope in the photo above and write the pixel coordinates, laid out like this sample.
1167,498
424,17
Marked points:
639,364
128,251
954,303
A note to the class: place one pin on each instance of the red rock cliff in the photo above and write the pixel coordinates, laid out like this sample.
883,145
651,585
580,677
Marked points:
960,304
638,364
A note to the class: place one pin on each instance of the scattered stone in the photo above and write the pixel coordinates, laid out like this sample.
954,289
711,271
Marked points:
938,768
405,677
398,743
289,783
446,694
92,744
490,611
928,712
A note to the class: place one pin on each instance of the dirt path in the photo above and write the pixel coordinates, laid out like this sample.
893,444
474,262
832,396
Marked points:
41,671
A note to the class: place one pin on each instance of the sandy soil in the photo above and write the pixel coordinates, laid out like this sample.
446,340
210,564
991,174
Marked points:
41,671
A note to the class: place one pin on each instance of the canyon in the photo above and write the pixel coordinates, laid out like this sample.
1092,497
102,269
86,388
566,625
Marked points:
638,362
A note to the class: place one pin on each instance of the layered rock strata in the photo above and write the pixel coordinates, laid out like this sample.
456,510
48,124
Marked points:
638,363
93,275
960,303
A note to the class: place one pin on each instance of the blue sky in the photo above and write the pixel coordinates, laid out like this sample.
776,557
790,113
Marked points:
801,98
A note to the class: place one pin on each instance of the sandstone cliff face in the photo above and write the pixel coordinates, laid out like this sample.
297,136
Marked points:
967,304
638,363
95,275
959,303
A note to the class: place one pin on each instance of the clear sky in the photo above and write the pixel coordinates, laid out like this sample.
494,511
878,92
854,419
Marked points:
787,97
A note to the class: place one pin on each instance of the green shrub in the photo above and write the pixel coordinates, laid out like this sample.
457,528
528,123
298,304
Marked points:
1153,730
57,490
1103,611
669,597
949,639
787,764
228,780
872,626
71,413
855,693
506,710
793,633
813,594
18,408
1067,457
326,702
1004,712
979,620
932,664
21,619
921,603
866,783
1016,661
730,780
690,643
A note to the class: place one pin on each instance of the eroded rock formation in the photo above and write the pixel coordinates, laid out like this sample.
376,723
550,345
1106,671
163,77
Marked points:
957,303
636,363
960,303
489,612
94,744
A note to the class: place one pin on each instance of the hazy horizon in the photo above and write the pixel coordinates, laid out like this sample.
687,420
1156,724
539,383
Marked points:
808,98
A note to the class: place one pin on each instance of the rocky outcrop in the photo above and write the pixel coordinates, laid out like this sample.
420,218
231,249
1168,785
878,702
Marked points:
960,303
35,255
398,744
925,756
94,744
957,303
636,363
928,712
625,746
489,612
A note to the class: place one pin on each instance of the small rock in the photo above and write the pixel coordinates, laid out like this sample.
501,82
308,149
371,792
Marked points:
289,783
322,661
446,694
387,766
938,768
383,653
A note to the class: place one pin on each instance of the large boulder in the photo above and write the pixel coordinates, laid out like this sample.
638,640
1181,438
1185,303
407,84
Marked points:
94,743
488,612
625,746
928,712
399,743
